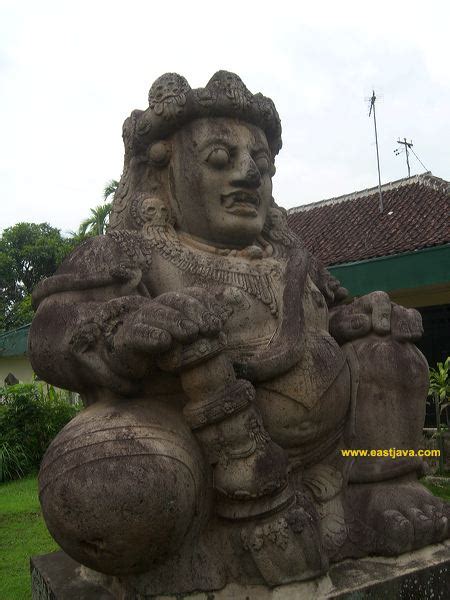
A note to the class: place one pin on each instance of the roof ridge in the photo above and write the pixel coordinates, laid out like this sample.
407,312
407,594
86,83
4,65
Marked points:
427,179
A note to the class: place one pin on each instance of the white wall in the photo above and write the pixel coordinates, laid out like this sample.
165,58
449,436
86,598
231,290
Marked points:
19,366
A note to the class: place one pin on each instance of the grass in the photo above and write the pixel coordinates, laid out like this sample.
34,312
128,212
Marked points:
22,534
439,489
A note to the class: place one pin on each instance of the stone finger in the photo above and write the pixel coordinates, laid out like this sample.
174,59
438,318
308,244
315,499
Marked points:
213,304
406,324
381,313
193,309
146,338
171,320
423,527
399,532
440,522
349,327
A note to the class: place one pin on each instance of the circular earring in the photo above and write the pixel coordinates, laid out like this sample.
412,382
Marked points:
159,153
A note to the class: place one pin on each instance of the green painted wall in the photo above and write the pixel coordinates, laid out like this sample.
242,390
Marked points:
430,266
14,343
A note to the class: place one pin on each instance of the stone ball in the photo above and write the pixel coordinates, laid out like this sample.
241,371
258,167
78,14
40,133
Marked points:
122,484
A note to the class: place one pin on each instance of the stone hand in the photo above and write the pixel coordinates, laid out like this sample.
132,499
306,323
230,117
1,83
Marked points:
155,326
375,313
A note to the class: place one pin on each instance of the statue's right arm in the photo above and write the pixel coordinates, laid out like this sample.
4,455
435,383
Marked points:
97,327
67,342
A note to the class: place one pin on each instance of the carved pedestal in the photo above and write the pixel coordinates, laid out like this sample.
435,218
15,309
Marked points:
424,573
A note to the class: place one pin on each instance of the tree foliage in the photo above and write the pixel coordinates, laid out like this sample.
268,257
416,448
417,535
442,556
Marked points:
28,253
110,188
439,391
440,383
95,224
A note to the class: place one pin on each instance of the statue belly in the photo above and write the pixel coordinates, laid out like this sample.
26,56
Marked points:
307,406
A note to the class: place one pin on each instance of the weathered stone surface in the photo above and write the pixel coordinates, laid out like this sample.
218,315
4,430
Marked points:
223,369
421,574
57,577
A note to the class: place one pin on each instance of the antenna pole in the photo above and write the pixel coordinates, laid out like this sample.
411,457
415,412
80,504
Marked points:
407,145
372,107
407,157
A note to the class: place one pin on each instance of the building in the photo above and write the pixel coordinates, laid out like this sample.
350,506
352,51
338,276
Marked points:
403,250
13,355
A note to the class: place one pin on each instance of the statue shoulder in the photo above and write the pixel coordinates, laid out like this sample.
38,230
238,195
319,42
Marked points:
118,257
103,252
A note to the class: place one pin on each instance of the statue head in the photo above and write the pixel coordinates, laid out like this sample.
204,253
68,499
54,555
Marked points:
220,180
206,154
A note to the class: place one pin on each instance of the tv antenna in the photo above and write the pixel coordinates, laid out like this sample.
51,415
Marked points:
407,148
372,110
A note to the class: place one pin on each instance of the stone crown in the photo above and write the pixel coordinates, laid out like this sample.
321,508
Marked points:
173,103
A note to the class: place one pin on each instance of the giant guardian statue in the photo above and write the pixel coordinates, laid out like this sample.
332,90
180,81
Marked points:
222,369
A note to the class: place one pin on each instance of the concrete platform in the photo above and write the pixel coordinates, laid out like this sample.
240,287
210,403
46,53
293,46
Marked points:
423,574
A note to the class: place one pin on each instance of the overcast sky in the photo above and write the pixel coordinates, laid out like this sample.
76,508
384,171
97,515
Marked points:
71,72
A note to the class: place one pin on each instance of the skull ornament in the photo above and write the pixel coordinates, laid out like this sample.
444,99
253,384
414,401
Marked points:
154,212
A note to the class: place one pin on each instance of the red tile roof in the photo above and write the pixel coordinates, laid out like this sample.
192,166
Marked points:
352,228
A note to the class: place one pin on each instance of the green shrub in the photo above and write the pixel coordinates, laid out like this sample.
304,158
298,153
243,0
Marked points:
31,414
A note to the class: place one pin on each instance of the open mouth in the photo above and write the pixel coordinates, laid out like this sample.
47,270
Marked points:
241,203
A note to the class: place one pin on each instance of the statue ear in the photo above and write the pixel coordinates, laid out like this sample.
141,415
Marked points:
159,153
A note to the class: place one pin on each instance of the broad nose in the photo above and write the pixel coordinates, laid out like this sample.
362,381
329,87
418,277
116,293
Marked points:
246,174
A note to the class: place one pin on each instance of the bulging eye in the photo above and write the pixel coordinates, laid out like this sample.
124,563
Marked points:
218,158
263,164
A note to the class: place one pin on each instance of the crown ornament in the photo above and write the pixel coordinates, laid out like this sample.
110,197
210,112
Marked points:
173,104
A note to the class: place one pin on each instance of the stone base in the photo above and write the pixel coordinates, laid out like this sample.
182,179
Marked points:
424,573
55,576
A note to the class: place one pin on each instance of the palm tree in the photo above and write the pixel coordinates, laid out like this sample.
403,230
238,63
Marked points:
110,188
97,223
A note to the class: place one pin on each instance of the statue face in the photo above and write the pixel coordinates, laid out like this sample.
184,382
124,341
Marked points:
220,181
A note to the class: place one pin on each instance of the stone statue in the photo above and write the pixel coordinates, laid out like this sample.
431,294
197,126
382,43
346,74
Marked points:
222,369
